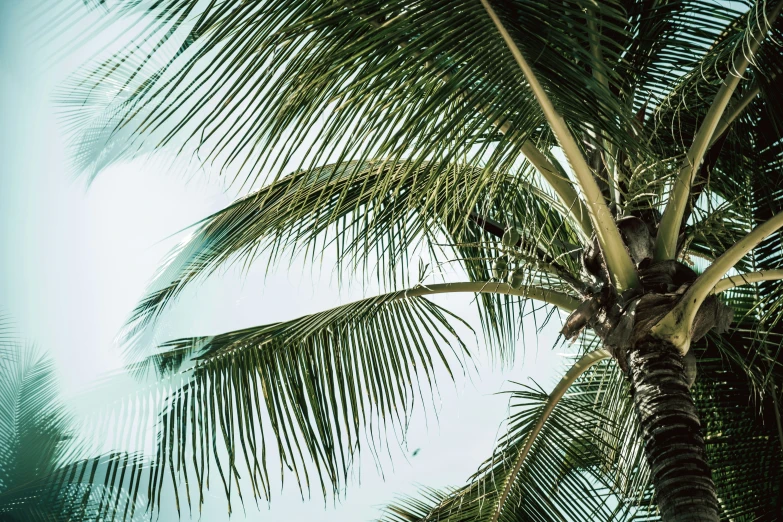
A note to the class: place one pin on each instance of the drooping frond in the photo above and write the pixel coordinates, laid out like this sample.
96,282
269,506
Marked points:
42,474
547,254
666,40
245,84
33,425
381,212
732,161
308,393
576,468
422,115
620,266
742,429
594,436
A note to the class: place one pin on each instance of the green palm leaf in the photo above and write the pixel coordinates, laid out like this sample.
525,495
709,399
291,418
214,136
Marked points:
598,423
594,436
238,79
42,474
742,433
381,212
321,385
423,116
561,459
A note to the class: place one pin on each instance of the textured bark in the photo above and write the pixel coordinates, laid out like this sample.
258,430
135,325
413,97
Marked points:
661,378
671,429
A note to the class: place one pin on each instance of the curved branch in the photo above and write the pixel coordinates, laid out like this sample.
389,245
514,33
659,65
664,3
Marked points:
676,326
668,230
580,367
745,279
713,150
737,108
561,300
562,186
620,265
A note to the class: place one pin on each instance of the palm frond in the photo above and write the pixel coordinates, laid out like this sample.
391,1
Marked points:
7,334
233,81
570,472
382,212
546,254
33,424
42,478
594,436
313,69
312,390
741,431
420,114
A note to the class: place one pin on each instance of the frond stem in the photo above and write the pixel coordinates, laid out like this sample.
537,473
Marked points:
555,178
675,327
668,230
561,300
745,279
734,112
580,367
620,265
562,186
543,261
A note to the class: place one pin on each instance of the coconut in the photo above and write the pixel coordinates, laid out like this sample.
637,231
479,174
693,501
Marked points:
516,278
500,268
511,237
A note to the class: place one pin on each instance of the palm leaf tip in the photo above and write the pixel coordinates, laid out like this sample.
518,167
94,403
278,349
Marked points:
414,508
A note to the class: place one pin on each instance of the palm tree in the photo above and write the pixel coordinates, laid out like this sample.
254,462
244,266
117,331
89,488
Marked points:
43,475
618,161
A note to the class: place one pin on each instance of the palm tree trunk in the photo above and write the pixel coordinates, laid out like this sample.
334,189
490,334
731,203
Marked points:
671,430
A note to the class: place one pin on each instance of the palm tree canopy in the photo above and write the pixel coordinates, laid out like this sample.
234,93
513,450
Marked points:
435,128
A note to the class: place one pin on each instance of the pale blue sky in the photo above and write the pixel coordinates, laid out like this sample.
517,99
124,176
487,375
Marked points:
74,261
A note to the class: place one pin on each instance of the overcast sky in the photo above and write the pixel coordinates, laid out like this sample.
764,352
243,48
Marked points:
74,261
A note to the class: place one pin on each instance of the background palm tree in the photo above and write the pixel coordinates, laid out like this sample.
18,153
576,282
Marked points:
436,129
43,474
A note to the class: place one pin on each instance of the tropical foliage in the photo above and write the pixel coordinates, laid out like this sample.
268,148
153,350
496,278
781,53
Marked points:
44,476
618,160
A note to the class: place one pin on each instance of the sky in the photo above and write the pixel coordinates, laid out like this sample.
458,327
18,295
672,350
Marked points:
74,260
